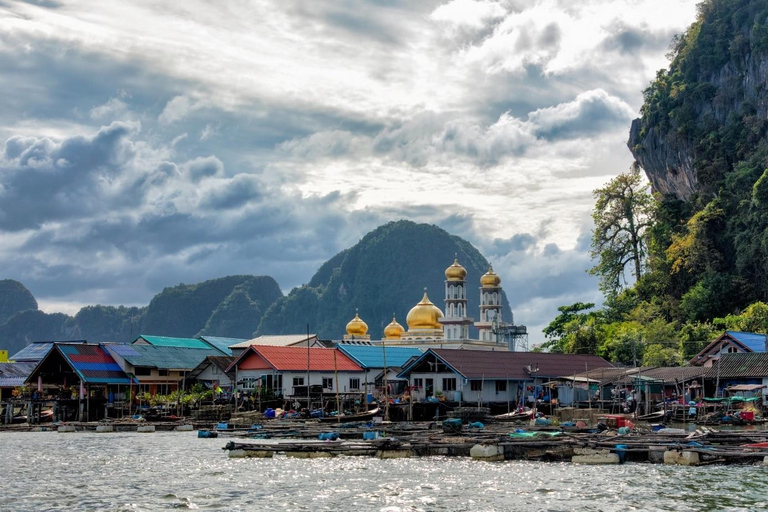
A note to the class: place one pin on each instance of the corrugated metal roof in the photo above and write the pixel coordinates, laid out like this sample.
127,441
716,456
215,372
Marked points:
93,364
753,341
282,340
15,374
223,344
37,350
221,362
478,364
165,341
373,357
151,356
675,373
295,359
750,364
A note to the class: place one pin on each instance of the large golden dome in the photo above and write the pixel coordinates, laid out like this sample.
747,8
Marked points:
455,272
356,327
424,315
394,331
490,278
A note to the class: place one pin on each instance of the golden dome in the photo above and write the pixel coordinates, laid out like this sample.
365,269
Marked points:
490,278
394,331
455,272
356,327
424,315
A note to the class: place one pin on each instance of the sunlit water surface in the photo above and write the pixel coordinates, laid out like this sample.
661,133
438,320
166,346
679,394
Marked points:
175,470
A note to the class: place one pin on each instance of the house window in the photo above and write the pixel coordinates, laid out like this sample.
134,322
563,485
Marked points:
476,385
142,371
162,372
215,369
732,350
418,383
298,381
327,383
449,384
354,383
501,386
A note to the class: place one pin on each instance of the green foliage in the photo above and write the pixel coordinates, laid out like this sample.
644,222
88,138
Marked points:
14,298
624,209
229,307
382,274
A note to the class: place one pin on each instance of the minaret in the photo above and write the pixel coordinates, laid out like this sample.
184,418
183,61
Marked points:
455,322
490,305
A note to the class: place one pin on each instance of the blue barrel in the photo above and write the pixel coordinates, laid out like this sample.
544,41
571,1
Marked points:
621,451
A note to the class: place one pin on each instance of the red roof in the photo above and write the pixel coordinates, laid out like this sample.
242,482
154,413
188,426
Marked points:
295,359
477,364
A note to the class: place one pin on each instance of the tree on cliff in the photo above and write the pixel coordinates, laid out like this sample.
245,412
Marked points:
622,214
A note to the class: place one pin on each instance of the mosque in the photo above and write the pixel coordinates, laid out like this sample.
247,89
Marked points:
428,327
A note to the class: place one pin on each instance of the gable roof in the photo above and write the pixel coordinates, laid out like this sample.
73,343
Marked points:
369,356
747,341
37,350
295,359
166,341
93,364
15,374
479,364
222,344
280,340
151,356
220,362
751,364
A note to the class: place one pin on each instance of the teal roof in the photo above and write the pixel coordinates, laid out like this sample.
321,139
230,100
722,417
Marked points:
369,356
164,341
222,344
173,358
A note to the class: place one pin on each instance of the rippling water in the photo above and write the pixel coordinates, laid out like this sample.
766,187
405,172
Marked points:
175,470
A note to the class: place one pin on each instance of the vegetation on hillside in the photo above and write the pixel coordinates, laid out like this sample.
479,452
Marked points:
384,273
706,264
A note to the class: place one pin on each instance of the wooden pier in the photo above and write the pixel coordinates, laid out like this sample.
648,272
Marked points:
500,442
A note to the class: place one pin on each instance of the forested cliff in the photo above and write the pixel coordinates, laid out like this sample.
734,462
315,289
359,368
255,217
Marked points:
702,140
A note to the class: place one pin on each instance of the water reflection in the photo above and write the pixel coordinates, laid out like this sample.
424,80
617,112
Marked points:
138,472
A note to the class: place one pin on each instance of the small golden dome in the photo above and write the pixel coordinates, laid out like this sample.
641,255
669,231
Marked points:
424,315
455,272
490,278
394,331
356,327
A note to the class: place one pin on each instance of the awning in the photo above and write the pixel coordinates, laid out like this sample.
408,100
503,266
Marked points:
746,387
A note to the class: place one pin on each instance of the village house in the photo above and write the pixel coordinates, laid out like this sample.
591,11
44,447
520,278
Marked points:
372,360
749,371
212,373
285,370
158,369
730,342
486,376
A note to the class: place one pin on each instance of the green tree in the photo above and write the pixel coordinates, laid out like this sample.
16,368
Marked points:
563,329
623,212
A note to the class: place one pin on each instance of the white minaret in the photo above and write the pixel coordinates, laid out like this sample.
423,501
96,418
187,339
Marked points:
490,305
455,322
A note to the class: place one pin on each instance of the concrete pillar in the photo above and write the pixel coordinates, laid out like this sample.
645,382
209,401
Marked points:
591,456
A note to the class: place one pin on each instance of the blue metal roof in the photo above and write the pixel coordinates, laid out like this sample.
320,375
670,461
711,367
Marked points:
369,356
37,350
222,344
176,358
13,375
753,341
93,364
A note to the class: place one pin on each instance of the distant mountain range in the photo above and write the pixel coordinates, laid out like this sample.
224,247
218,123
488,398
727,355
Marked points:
384,273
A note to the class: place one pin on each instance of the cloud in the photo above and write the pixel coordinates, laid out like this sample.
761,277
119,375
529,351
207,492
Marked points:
469,13
177,109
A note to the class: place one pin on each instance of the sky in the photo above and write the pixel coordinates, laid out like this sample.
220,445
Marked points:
145,144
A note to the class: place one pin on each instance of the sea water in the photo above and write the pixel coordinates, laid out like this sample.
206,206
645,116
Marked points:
176,470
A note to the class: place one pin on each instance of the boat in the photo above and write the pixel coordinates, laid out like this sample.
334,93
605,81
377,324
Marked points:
514,416
348,418
654,416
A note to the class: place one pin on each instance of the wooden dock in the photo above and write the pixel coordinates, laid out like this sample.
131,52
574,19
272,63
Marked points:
500,442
